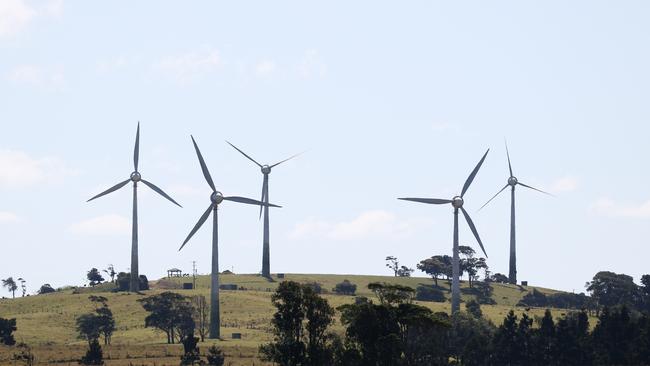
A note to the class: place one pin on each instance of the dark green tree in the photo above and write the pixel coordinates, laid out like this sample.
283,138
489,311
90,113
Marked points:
614,336
572,340
46,289
7,327
469,339
171,313
94,277
611,289
474,308
345,288
215,356
10,285
94,354
434,267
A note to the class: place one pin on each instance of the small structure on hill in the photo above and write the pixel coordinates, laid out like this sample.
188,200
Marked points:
174,272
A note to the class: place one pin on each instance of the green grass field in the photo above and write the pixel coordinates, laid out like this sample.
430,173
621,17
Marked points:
47,322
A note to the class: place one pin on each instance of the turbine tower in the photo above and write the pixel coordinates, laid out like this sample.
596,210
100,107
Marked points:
512,183
266,248
135,177
457,203
215,199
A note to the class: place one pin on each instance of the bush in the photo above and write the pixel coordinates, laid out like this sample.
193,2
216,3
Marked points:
94,355
428,293
124,279
215,356
345,288
7,327
474,308
315,286
46,289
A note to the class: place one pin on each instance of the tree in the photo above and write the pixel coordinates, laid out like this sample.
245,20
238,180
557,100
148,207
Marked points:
299,327
471,264
88,327
428,293
110,271
46,289
391,294
470,339
10,285
544,342
613,337
23,287
170,313
124,279
345,288
404,271
7,327
572,341
191,354
610,289
512,341
201,314
499,278
94,354
393,264
434,267
94,277
105,320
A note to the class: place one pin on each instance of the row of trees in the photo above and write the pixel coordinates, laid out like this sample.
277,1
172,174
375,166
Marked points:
441,265
397,332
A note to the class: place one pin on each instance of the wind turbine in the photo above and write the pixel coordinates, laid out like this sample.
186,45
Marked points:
266,170
512,182
135,177
215,199
457,202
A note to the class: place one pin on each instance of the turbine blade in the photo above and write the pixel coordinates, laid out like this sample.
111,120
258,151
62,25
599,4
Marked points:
287,159
265,187
533,188
136,149
508,154
470,179
474,231
495,196
249,201
432,201
112,189
198,225
160,192
243,153
204,168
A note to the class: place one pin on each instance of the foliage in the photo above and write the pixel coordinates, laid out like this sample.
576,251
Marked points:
10,285
7,327
110,271
124,282
434,267
345,288
215,356
94,354
23,287
24,354
315,286
100,323
46,289
474,308
392,293
171,313
393,264
499,278
404,271
191,354
609,289
469,339
428,293
299,327
94,277
560,300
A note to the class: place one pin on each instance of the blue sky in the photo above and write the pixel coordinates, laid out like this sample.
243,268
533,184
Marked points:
388,99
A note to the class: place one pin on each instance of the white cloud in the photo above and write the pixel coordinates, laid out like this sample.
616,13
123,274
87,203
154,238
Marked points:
311,65
111,224
564,184
369,224
17,169
265,68
189,67
16,15
610,208
42,77
8,217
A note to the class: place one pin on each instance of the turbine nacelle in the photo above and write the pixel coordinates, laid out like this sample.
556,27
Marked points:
136,177
216,197
513,181
266,169
457,202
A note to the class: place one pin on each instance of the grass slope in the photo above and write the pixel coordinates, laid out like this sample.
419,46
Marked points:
47,322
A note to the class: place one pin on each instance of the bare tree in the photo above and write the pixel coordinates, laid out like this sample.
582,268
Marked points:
393,264
201,315
23,287
110,271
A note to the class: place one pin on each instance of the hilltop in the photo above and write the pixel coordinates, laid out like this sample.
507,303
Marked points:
47,322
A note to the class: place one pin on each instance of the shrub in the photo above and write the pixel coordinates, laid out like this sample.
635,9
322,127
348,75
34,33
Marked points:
94,355
46,289
315,286
345,288
215,356
7,327
124,279
428,293
474,308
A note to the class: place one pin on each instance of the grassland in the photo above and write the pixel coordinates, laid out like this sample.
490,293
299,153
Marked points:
47,322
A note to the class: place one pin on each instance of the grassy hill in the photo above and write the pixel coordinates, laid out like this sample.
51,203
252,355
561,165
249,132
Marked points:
47,322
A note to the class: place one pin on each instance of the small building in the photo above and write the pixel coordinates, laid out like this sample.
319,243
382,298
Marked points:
174,272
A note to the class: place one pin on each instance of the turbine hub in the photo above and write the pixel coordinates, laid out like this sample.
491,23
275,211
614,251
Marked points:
512,181
457,202
216,197
266,169
136,177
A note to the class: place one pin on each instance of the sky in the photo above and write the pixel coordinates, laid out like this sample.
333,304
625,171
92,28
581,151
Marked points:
387,99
